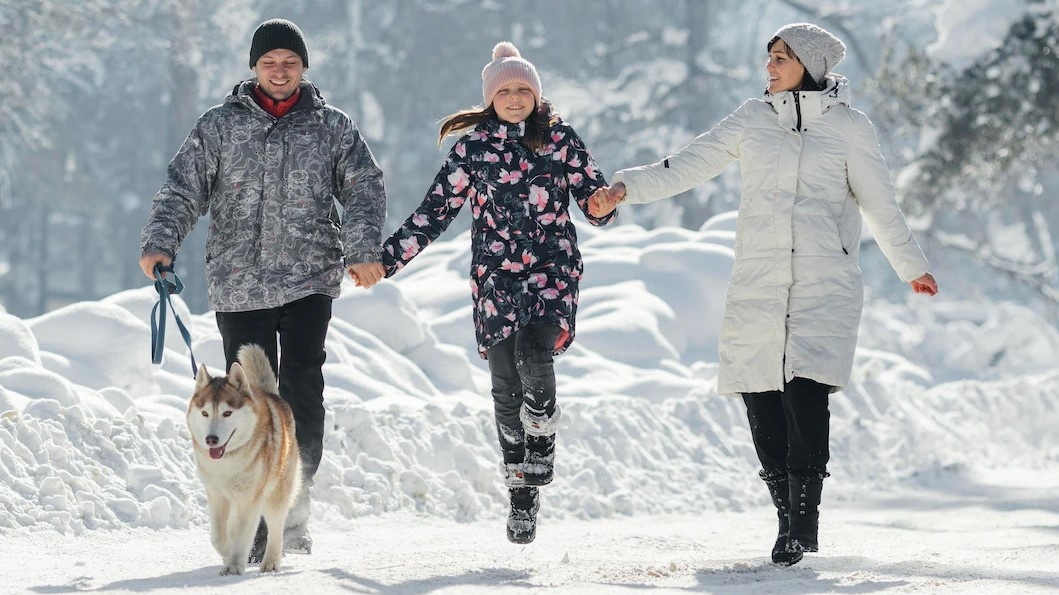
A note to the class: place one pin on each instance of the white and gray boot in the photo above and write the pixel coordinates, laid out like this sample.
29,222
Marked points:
539,466
513,475
522,519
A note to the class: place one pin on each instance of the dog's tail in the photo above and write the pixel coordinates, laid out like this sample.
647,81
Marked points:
257,368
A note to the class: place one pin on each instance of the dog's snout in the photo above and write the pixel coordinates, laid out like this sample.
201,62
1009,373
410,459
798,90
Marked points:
212,440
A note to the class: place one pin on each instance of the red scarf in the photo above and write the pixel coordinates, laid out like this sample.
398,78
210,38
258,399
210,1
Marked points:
276,108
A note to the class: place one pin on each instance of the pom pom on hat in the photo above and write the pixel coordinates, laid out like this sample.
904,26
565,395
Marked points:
508,66
505,49
818,50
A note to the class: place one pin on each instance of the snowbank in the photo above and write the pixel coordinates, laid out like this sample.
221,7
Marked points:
93,436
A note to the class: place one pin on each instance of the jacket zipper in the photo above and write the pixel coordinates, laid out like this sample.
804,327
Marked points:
798,110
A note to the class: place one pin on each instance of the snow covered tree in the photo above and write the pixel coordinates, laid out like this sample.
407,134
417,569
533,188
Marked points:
989,165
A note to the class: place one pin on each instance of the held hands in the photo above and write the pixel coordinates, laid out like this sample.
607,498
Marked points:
366,274
924,284
149,260
604,200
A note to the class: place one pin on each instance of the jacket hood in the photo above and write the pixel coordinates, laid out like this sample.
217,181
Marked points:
836,91
809,105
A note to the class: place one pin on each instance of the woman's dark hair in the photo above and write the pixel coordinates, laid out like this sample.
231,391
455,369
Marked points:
808,82
537,125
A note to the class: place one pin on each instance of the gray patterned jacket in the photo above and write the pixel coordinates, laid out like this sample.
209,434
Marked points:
270,187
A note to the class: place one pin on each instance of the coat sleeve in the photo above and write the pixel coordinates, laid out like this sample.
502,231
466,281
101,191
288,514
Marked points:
360,189
702,159
874,191
184,196
450,189
583,176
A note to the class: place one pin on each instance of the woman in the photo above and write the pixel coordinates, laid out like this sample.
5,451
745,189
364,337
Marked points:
517,165
811,167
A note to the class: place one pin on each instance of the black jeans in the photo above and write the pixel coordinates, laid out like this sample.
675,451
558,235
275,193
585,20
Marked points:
522,372
302,328
790,428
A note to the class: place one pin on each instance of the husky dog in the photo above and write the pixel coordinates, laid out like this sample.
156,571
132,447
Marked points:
246,455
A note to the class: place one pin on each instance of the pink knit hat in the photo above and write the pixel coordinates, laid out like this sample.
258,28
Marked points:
508,66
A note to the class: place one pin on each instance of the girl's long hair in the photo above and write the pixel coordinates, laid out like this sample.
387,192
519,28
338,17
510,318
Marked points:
537,125
808,82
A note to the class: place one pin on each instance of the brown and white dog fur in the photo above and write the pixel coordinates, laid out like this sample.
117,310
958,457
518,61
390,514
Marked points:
246,456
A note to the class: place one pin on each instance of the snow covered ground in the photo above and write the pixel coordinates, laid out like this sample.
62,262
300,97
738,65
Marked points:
964,535
944,446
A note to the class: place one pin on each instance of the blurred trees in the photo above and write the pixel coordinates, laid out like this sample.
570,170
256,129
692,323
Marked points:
100,94
986,170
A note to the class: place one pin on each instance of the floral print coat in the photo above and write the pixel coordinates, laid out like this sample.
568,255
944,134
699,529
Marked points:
525,265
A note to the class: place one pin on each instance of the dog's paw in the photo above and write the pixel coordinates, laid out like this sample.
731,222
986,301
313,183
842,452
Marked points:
232,569
270,566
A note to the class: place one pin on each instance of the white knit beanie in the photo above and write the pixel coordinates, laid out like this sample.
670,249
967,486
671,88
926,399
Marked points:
508,66
818,50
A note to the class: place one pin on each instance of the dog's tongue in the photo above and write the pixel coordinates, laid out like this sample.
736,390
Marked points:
216,452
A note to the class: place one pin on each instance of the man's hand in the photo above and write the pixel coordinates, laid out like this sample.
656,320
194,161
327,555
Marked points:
149,260
366,274
924,284
604,200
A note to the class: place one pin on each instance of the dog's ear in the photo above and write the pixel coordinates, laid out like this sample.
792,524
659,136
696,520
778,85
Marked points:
237,378
202,378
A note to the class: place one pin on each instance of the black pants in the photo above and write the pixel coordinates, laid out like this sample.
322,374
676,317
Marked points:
522,372
790,427
298,364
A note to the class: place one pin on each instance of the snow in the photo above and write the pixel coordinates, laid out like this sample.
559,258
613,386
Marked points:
656,483
983,536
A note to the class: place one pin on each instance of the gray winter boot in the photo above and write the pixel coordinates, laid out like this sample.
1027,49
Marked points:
257,548
296,536
805,492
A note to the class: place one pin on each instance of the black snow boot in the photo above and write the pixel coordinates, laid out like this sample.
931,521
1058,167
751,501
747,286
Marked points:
257,550
540,460
805,511
778,489
522,520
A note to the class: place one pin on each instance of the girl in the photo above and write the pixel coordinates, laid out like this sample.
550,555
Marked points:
516,166
811,167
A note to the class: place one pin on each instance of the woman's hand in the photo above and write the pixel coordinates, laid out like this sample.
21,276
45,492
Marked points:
924,284
604,200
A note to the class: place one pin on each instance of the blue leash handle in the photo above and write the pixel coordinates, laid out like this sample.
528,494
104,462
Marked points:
166,289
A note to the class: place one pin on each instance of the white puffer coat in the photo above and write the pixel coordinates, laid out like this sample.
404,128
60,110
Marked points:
810,166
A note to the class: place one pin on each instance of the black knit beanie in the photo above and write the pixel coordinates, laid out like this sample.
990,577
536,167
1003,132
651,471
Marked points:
278,34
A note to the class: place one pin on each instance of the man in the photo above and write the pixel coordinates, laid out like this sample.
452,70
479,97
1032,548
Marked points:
268,166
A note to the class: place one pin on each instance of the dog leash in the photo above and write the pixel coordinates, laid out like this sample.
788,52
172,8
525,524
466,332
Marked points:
166,289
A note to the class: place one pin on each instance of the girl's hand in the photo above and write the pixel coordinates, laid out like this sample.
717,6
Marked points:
366,274
604,200
924,284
